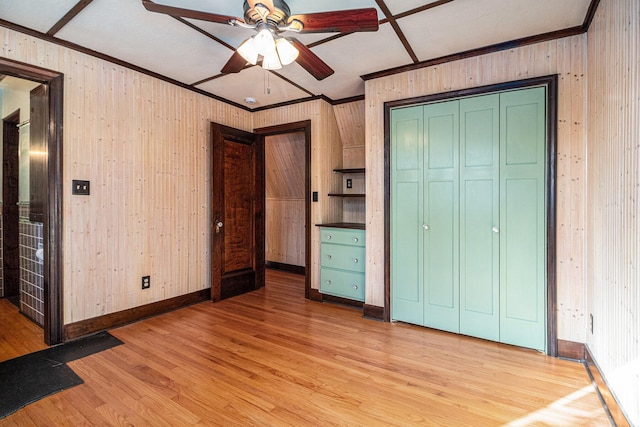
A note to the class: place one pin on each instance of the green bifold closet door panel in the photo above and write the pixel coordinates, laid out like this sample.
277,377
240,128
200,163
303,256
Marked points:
480,217
406,215
440,226
424,214
522,218
468,232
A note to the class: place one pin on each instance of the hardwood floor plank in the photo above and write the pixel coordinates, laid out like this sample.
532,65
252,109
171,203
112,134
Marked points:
271,357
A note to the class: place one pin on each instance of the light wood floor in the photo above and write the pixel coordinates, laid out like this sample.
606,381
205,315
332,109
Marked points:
18,335
271,358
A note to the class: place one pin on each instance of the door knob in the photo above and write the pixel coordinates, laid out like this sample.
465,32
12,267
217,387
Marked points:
495,229
219,225
425,226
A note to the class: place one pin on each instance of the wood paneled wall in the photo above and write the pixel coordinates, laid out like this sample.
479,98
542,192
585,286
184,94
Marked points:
351,122
565,57
326,154
144,145
285,203
613,191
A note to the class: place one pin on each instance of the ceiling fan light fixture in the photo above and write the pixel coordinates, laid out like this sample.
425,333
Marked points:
249,51
286,51
264,42
271,61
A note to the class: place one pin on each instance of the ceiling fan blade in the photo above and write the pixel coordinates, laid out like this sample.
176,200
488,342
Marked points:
187,13
311,62
235,64
339,21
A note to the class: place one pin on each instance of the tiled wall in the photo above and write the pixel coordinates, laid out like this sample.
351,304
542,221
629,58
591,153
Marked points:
31,268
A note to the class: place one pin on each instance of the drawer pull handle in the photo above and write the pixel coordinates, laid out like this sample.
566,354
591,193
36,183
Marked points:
328,282
328,236
328,256
355,260
355,239
355,287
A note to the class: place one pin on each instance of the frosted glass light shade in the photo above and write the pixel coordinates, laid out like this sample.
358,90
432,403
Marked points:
248,51
264,42
286,51
271,61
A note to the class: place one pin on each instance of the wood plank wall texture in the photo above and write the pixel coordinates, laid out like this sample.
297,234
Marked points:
613,252
143,143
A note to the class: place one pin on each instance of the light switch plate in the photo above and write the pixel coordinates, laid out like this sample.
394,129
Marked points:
80,187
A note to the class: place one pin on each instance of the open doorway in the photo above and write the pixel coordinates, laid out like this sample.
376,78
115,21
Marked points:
22,279
288,203
285,202
42,124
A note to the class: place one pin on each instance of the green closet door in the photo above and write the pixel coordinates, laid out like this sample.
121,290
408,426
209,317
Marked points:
440,227
522,218
406,215
479,217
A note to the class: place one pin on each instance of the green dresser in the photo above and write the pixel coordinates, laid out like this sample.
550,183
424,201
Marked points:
342,262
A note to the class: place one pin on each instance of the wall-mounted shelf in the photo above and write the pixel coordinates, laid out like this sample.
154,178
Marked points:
351,170
348,171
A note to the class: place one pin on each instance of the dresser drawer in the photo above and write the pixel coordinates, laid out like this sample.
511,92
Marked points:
343,257
342,236
342,283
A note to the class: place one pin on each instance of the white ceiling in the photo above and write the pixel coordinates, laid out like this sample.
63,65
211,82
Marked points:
125,30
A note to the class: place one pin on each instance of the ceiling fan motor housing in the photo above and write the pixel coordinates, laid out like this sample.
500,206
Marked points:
278,17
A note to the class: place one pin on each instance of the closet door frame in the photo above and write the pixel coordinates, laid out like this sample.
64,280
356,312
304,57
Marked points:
551,84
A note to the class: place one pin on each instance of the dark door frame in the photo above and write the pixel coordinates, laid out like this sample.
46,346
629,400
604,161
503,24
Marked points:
551,83
302,126
53,206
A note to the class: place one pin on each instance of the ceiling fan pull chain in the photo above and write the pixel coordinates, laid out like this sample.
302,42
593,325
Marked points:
266,83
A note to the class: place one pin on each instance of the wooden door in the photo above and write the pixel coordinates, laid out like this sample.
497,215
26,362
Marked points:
522,218
479,217
237,213
440,226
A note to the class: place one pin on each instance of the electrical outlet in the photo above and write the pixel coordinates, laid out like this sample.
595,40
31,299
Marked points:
591,322
146,282
349,183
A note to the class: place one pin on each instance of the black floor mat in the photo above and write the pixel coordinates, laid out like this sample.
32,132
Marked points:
29,378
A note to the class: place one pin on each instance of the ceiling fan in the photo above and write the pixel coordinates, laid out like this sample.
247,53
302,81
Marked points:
271,18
